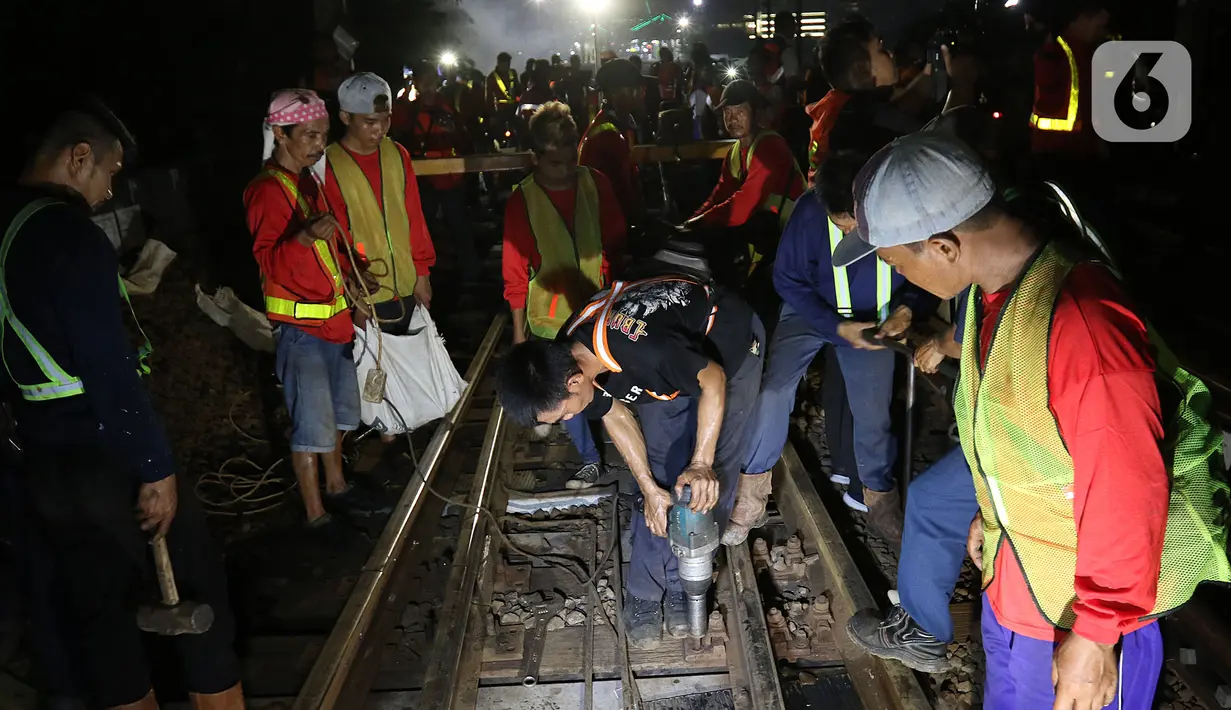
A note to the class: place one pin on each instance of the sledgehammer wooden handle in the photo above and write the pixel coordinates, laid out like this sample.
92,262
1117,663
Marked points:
166,578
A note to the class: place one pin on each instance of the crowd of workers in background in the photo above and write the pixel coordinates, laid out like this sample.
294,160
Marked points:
839,217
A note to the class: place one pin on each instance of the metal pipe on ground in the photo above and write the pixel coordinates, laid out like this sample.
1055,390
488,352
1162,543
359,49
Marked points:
332,667
440,679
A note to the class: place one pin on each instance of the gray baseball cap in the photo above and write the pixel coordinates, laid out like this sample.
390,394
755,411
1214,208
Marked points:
363,92
919,185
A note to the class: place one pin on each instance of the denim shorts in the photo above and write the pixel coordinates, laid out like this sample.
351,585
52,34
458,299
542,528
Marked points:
322,392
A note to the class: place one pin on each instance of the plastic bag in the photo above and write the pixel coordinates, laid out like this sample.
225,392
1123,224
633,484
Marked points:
421,383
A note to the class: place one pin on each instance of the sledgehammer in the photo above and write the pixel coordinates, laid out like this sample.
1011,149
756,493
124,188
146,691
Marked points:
173,617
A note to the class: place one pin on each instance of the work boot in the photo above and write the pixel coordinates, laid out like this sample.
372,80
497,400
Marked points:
230,699
749,511
884,514
675,608
898,637
643,622
585,477
149,702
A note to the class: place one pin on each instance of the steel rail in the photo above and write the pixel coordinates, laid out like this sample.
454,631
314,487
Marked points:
440,684
332,667
497,162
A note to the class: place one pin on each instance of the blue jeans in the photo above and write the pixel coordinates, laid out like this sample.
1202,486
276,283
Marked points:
1019,668
670,430
321,389
582,436
869,384
939,507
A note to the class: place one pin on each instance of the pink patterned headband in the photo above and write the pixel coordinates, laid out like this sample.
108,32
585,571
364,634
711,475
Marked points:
291,107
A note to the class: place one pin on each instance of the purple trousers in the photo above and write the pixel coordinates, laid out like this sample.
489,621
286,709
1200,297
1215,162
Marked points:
1019,668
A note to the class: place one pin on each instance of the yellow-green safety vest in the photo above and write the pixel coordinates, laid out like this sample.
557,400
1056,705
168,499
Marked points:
842,284
1023,473
1069,122
59,383
570,262
779,204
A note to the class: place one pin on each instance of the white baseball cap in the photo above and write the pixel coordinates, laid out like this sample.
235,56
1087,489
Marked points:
365,92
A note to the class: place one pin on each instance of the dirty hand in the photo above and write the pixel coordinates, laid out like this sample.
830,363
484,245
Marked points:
359,318
928,356
423,291
156,505
319,227
704,483
657,503
852,332
1084,674
896,324
974,541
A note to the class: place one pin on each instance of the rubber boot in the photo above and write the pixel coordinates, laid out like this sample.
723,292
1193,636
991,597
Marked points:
230,699
149,702
885,514
749,511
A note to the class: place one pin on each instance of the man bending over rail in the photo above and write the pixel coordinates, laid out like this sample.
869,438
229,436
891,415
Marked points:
688,355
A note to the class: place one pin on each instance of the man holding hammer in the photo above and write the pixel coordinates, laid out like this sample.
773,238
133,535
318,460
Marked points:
93,448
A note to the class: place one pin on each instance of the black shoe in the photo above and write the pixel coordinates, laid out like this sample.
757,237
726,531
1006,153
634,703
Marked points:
643,622
675,608
357,502
585,477
326,531
897,636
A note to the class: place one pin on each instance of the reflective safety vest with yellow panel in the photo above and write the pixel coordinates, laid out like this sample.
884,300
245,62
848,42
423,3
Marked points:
59,383
842,284
778,204
381,231
570,261
505,84
1067,122
1023,473
285,306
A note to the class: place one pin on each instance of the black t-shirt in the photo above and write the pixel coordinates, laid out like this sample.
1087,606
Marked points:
655,335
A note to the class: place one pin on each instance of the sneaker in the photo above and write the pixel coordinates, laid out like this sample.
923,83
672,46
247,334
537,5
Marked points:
643,622
585,477
853,504
675,609
898,637
358,502
840,479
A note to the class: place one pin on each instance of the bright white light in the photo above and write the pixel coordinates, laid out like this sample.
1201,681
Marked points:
732,72
448,59
697,3
1010,3
577,45
684,22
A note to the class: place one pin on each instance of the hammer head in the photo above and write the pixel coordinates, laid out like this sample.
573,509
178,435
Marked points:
183,618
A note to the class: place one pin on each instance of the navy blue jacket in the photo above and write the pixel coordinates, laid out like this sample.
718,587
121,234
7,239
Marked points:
803,275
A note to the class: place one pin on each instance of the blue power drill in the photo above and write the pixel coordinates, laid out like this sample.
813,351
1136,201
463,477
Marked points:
694,538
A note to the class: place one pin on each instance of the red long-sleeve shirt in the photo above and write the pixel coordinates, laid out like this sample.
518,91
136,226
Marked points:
611,153
520,253
274,222
824,115
772,172
1100,379
422,249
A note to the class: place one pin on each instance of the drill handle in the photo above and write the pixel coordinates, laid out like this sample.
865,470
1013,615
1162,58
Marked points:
684,497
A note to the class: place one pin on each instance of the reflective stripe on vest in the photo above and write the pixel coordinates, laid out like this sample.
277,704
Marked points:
504,88
1024,475
842,284
1069,122
295,310
59,383
570,260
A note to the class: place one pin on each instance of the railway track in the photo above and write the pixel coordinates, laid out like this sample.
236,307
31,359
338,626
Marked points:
510,545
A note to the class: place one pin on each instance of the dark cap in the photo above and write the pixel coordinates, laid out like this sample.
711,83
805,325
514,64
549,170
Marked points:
741,91
616,74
